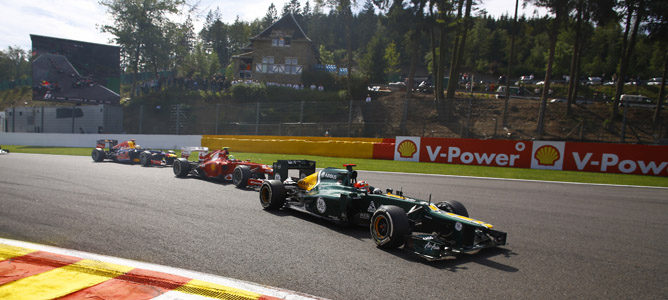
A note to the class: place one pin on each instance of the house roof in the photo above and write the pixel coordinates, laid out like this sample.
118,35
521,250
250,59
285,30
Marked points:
286,22
244,55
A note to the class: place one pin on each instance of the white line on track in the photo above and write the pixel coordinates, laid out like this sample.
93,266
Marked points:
229,282
514,179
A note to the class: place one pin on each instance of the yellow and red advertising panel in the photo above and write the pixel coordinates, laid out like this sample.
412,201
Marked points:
498,153
547,155
617,158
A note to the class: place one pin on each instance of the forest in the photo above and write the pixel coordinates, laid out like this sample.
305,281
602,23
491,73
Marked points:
381,41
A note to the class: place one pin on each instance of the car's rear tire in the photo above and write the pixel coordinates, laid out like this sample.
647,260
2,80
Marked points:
145,159
389,227
272,194
97,154
453,206
181,167
240,176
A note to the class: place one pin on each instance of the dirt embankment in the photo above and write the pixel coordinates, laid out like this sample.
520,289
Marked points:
481,117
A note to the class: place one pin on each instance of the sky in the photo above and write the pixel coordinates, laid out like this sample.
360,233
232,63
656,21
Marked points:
81,19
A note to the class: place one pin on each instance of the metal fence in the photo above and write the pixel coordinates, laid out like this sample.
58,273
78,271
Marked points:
305,118
479,118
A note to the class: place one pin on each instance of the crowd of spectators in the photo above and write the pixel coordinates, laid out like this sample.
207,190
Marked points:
295,86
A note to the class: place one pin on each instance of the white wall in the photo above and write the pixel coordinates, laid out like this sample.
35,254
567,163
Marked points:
88,140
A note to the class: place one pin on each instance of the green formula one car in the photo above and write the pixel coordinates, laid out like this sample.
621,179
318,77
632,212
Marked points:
432,231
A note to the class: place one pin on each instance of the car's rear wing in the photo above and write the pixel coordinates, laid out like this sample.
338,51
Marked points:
186,151
281,168
103,143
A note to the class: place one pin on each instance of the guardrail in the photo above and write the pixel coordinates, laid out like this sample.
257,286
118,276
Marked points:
547,155
88,140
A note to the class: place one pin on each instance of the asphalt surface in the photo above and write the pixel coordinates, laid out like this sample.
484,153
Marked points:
565,240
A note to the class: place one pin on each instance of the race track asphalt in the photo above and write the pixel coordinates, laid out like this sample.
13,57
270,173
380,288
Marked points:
565,240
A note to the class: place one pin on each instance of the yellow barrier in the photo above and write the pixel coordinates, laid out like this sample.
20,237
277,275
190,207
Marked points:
321,146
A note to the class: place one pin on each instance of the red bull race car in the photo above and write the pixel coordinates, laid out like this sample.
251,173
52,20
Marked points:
125,152
220,165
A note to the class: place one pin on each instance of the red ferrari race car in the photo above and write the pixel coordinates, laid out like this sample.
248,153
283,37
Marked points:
220,165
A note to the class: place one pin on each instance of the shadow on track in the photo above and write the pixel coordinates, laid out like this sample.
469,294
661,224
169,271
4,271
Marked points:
453,265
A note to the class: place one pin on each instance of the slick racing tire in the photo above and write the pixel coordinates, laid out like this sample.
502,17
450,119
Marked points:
145,159
272,194
240,176
389,227
181,167
97,154
453,206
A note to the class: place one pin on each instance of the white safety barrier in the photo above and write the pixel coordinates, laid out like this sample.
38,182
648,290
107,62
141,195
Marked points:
88,140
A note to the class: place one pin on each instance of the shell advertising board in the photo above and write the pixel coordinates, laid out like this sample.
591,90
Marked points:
546,155
498,153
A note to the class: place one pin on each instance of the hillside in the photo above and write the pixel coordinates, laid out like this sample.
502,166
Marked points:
482,118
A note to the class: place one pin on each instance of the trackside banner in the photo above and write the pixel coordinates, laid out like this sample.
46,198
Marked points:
548,155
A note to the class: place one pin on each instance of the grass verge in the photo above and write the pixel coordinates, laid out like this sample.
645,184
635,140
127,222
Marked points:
414,167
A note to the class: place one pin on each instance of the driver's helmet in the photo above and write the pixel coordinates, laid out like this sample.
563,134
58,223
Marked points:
230,157
362,185
131,144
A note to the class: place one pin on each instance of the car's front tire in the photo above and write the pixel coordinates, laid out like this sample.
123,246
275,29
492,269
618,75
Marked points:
453,206
389,227
145,159
272,194
181,167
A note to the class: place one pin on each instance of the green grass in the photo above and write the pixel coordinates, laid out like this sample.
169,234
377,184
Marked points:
413,167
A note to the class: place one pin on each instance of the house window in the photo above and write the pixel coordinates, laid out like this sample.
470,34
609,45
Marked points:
280,42
268,60
291,66
290,60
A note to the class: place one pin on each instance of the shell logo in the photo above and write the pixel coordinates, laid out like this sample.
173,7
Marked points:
547,155
407,149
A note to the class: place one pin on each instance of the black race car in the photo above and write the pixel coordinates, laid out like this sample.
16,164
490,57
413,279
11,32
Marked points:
149,158
432,231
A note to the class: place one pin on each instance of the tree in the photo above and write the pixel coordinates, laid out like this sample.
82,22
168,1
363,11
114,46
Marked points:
373,63
138,30
657,26
270,17
392,60
14,64
199,63
292,7
458,49
215,35
326,57
634,13
559,9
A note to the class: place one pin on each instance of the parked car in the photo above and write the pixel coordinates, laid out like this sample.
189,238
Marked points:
594,80
636,101
654,81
